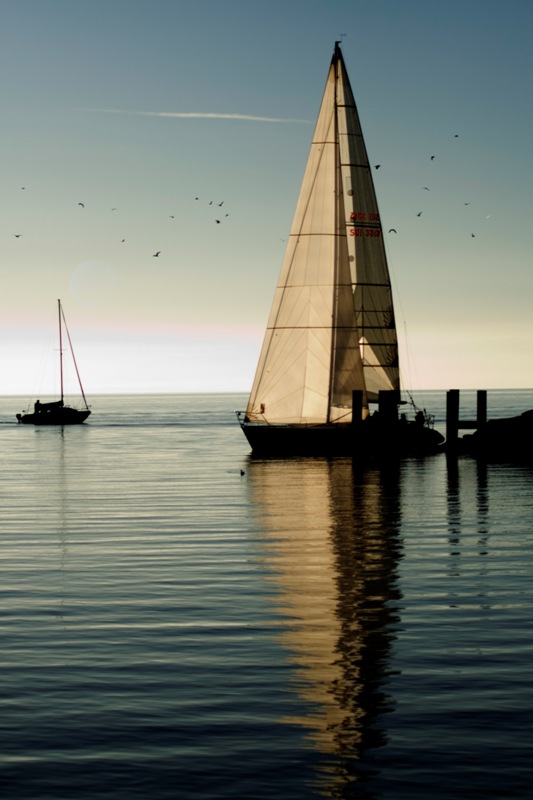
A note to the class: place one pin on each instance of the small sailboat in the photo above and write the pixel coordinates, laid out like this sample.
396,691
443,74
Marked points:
57,412
330,348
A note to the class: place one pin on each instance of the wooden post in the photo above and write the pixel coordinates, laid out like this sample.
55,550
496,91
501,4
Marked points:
388,406
481,408
357,432
452,418
357,407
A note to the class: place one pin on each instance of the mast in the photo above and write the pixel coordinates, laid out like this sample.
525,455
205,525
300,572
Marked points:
60,350
73,359
336,229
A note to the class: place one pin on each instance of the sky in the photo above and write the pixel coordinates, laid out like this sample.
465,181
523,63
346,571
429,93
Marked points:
162,116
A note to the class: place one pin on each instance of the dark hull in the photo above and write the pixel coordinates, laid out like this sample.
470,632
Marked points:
60,416
366,440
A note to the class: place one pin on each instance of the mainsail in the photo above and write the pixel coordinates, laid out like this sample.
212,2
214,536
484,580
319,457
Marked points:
331,328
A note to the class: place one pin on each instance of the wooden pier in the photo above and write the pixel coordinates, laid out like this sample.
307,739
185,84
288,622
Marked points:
507,437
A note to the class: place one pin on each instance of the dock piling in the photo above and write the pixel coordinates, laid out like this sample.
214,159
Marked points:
453,422
357,407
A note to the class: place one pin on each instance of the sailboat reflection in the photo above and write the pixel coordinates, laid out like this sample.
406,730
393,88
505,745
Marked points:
331,538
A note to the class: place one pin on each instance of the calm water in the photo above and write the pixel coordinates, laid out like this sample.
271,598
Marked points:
171,628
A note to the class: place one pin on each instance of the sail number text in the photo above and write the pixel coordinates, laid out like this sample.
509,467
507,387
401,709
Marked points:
362,216
367,232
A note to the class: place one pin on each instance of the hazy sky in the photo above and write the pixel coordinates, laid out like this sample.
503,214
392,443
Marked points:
135,108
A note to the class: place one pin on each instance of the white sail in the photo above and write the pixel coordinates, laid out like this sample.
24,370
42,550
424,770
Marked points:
376,328
331,328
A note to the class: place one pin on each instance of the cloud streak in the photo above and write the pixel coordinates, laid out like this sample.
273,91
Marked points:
195,115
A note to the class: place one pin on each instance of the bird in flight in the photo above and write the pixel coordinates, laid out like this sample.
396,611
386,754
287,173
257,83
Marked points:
81,204
17,235
377,166
419,214
432,158
426,188
156,255
392,230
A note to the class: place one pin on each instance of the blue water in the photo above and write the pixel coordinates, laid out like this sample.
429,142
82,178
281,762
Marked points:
171,628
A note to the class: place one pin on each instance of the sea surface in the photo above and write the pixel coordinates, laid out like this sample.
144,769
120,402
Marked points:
178,620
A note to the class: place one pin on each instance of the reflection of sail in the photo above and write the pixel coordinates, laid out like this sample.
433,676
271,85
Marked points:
330,534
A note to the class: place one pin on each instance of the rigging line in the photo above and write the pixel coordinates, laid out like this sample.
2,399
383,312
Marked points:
397,303
335,298
406,351
409,366
60,349
73,356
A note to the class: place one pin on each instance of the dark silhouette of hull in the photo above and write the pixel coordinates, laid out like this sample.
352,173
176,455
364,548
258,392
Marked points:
58,416
366,440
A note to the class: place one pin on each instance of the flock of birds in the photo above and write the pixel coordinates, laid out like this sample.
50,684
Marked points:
222,217
427,189
171,216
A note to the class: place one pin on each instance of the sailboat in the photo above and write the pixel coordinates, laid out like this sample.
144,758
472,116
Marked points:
57,412
331,348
